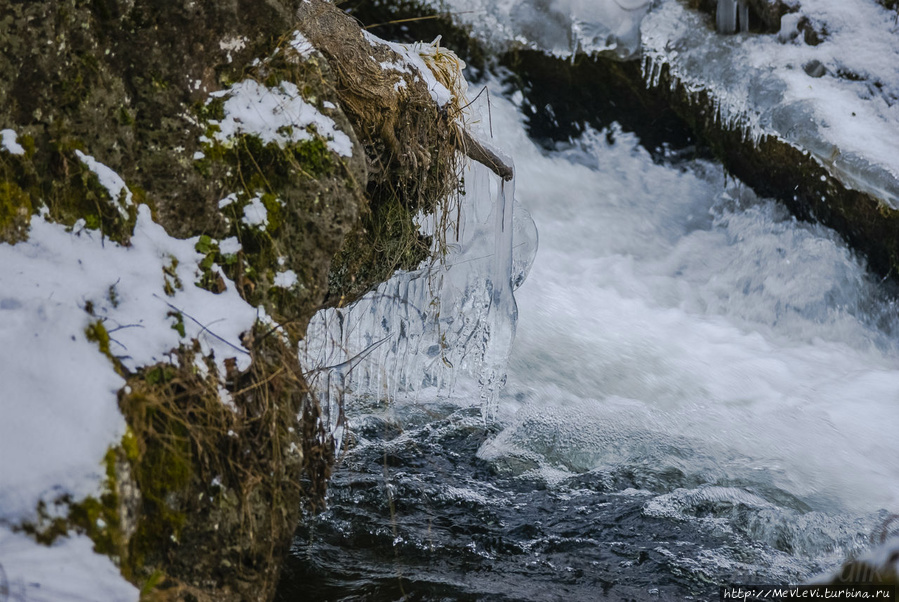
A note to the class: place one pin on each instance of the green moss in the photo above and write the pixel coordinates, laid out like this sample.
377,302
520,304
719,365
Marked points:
178,323
162,468
98,518
96,333
74,193
15,212
130,446
266,171
172,281
387,240
125,117
205,471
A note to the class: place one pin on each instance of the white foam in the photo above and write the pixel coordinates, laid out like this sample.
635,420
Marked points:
670,321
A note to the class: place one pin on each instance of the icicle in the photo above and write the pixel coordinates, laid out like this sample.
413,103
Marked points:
502,315
730,13
450,317
744,16
726,16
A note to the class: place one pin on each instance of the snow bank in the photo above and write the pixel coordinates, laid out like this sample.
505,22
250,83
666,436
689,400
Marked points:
838,100
67,570
59,392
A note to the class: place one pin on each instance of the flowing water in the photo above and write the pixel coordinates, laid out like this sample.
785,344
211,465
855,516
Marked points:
701,391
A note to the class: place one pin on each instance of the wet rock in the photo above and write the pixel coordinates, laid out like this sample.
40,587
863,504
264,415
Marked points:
814,68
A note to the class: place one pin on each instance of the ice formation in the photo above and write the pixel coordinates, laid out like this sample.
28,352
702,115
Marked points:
835,99
562,27
730,13
418,332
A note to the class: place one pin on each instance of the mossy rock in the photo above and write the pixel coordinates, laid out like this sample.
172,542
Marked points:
15,212
311,196
411,145
201,497
239,465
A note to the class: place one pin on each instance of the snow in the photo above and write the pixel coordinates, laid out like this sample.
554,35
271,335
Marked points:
111,181
230,246
59,393
232,44
847,117
286,279
67,570
277,115
255,214
559,27
303,46
228,200
9,142
414,55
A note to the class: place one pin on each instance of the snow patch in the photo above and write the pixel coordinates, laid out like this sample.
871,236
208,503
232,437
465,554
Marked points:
277,115
255,214
55,285
839,99
111,181
230,246
59,391
303,46
9,142
286,279
234,44
413,61
67,570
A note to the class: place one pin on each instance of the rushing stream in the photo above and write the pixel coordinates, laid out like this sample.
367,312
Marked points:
701,391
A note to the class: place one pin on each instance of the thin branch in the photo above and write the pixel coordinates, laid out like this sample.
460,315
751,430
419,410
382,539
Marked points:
477,152
203,327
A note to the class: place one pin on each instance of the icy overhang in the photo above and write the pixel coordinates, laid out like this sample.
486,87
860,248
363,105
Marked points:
837,100
559,27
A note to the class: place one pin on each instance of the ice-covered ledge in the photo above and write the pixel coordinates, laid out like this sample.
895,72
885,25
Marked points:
837,99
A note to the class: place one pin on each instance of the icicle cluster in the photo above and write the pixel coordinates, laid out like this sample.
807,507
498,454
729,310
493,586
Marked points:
419,332
731,13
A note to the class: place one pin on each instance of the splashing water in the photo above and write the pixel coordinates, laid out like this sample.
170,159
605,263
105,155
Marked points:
702,391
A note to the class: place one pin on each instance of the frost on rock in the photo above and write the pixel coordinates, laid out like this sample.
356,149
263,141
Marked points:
278,114
836,98
422,330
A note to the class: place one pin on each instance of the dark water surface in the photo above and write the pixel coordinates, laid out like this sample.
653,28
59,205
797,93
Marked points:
414,514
